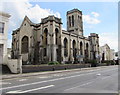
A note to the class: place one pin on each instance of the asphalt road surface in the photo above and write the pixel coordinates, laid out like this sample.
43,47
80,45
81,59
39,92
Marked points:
99,80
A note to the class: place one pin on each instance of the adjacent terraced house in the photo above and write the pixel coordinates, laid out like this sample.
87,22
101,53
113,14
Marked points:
4,19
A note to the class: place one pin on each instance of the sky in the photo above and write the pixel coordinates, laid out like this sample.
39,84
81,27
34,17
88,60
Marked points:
98,17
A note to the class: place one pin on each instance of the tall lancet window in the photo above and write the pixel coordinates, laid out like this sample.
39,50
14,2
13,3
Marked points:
45,41
74,48
72,20
65,47
69,21
56,36
81,48
24,48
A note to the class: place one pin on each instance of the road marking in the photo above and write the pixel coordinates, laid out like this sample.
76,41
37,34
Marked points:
106,77
98,74
43,77
3,83
30,90
22,80
41,82
57,75
62,74
80,85
51,80
16,91
87,83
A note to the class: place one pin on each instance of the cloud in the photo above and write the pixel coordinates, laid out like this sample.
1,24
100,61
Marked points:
109,38
95,14
19,9
91,19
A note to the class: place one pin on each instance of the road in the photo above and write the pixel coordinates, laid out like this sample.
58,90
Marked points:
99,80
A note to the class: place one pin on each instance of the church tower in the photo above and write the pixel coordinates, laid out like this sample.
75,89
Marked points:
74,22
94,43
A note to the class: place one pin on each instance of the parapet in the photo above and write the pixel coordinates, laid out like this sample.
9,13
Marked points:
94,35
74,10
51,18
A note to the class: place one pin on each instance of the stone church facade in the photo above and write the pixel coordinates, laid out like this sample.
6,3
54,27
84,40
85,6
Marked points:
46,41
107,53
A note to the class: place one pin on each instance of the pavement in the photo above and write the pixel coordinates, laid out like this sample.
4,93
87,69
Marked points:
86,80
9,76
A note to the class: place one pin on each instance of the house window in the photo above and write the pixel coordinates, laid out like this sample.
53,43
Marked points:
2,27
25,44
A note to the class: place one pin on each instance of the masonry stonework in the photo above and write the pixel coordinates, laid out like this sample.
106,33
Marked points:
46,41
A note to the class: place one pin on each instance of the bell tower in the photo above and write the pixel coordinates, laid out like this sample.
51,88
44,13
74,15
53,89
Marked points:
74,22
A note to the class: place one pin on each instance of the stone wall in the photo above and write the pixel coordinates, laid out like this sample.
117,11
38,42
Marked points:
38,68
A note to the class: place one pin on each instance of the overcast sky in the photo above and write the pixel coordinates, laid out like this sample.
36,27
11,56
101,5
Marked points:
98,17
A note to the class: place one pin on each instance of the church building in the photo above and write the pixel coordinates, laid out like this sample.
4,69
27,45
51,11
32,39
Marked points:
46,41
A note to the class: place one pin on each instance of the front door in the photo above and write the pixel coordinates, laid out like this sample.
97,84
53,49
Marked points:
1,53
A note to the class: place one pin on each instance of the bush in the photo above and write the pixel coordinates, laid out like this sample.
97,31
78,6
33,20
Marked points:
112,62
92,62
53,63
108,62
117,62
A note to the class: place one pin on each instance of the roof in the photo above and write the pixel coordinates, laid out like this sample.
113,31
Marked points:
29,21
106,45
15,31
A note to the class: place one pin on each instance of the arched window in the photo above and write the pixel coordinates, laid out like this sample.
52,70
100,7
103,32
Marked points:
45,41
81,48
69,21
74,48
87,50
65,47
78,17
72,20
87,46
24,48
45,36
56,36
